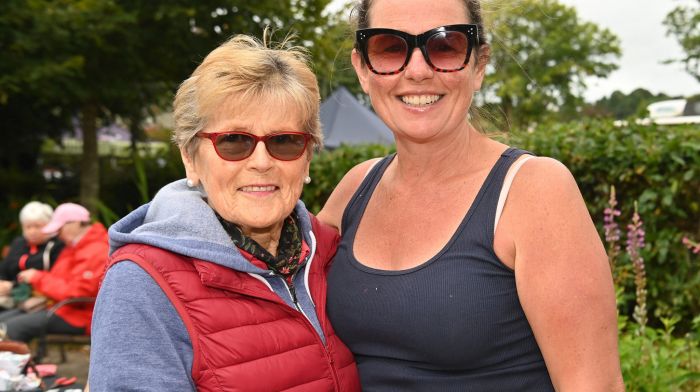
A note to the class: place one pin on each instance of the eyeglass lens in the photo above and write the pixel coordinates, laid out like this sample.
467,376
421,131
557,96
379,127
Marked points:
239,146
446,51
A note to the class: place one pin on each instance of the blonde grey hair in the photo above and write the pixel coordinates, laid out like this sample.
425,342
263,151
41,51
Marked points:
35,211
245,71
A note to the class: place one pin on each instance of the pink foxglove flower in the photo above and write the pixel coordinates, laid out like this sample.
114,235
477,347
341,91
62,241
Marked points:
635,242
612,230
692,245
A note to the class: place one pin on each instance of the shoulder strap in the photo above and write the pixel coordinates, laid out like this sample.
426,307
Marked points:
486,203
358,202
506,188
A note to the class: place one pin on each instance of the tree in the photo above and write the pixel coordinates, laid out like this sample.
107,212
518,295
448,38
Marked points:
541,55
684,23
620,105
102,59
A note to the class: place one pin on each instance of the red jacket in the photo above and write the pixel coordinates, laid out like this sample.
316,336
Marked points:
76,273
244,337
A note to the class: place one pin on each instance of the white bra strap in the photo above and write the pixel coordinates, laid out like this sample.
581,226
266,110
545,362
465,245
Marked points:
507,182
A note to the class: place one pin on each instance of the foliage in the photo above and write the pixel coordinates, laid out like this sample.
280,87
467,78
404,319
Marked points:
541,55
99,60
621,106
129,179
332,55
684,23
652,359
654,165
658,360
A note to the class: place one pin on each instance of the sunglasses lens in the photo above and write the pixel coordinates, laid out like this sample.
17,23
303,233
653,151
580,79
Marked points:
448,50
386,53
234,146
286,146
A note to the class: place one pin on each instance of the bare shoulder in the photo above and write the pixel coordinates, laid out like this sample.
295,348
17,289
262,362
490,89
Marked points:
545,206
332,212
545,177
544,185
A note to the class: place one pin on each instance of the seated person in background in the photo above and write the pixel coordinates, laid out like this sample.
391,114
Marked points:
76,274
33,249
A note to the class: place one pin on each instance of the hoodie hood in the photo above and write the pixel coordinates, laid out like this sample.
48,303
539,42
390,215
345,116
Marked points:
178,219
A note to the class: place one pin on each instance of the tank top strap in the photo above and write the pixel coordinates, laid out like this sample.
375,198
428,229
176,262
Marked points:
485,213
482,213
357,204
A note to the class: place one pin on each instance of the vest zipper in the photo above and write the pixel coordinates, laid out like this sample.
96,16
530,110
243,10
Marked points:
329,357
293,294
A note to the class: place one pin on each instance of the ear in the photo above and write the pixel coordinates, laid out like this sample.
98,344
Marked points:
482,59
308,163
360,69
190,170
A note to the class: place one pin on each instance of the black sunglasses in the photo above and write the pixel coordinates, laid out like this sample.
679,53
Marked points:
445,48
237,146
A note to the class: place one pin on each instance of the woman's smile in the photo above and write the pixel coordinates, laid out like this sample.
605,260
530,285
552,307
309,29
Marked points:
420,100
259,190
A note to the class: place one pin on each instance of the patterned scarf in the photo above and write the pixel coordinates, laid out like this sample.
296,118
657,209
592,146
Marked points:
287,261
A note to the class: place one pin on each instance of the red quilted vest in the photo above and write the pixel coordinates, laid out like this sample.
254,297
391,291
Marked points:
244,337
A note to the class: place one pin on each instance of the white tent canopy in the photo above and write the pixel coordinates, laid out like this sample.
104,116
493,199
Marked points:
347,121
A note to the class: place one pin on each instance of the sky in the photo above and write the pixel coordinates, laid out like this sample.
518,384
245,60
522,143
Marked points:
644,44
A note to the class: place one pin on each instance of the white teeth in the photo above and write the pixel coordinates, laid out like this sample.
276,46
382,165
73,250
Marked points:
420,100
258,188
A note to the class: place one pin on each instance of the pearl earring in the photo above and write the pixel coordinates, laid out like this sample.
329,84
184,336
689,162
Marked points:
190,183
307,180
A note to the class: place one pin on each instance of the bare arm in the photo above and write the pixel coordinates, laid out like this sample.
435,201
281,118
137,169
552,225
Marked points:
563,278
332,211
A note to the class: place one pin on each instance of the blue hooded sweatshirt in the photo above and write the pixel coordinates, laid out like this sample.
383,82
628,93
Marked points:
139,341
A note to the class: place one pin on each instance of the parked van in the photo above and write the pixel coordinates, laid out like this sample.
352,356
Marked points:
675,111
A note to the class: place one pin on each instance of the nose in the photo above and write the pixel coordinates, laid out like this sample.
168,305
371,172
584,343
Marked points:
418,68
260,159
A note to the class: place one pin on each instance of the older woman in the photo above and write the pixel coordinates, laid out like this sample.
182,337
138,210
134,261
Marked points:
33,249
457,271
218,284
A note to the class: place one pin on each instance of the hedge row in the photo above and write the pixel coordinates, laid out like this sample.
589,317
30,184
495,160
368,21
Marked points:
656,166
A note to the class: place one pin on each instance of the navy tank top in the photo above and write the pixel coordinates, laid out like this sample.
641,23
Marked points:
453,323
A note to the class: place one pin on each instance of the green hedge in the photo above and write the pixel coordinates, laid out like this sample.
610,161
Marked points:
657,166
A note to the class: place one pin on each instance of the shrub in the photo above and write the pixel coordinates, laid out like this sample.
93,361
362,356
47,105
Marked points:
658,166
652,359
657,360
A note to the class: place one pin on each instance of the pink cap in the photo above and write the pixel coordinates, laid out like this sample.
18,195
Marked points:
67,212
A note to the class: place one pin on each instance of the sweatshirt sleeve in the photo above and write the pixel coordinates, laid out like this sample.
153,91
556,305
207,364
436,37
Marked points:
139,342
81,279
